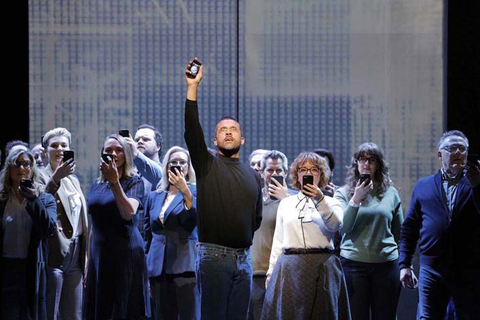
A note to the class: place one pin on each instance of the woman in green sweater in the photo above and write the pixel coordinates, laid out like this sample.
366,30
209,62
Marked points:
370,235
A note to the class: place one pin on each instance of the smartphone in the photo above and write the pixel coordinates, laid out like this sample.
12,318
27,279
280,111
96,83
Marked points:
68,154
279,179
28,183
363,177
172,168
472,157
307,179
124,133
194,68
107,157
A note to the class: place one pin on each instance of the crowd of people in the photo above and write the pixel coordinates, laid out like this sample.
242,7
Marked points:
201,235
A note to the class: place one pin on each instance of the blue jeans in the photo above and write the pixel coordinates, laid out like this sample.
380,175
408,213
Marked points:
436,290
373,288
65,286
224,278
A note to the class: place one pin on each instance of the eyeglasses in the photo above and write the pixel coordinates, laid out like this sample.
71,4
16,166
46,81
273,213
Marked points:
364,160
315,171
26,164
178,163
454,149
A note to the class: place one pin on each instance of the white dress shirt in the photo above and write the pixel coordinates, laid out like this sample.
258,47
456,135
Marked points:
319,225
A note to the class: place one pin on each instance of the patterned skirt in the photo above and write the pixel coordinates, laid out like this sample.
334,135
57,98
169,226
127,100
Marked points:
307,286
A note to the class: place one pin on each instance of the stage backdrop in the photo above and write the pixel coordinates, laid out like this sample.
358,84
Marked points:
298,75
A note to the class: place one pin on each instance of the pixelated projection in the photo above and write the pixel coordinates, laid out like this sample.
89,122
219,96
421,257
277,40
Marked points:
298,74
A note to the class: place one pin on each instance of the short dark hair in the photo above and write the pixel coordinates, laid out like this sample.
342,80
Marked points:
274,155
228,118
326,154
158,135
14,143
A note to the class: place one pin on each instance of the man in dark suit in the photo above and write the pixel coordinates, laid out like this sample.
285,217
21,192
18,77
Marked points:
444,217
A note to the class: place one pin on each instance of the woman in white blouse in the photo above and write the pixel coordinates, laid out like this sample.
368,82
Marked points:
305,279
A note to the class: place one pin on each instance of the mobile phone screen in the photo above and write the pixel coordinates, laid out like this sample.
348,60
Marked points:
107,157
307,179
194,68
172,168
279,179
68,154
27,183
124,133
365,176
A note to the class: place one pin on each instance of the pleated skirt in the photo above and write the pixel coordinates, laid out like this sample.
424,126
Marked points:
307,286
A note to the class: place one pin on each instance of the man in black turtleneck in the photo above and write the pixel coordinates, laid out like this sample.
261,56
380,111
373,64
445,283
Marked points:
229,205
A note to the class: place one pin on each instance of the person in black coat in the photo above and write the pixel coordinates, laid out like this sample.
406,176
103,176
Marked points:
27,218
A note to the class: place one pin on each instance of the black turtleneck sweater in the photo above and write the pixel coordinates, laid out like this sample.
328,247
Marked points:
229,194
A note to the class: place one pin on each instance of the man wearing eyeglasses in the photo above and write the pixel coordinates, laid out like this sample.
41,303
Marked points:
444,218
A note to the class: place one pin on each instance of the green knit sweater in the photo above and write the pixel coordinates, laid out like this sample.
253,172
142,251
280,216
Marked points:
371,232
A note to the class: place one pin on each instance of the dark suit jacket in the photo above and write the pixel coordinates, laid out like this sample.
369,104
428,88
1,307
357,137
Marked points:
43,211
59,241
444,243
170,246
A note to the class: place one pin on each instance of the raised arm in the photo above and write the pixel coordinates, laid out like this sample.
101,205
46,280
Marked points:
194,137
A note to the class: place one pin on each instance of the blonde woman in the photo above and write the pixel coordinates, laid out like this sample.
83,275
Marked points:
171,233
67,244
117,283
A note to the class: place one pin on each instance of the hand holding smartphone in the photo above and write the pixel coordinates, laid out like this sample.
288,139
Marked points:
307,179
194,68
107,157
68,154
179,169
124,133
365,177
27,183
279,179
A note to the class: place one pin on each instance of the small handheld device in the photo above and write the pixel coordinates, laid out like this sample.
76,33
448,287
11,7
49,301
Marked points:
194,68
172,168
28,183
68,154
124,133
472,157
307,179
280,180
107,157
365,177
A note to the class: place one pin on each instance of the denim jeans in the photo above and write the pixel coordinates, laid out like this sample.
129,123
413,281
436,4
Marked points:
224,278
436,290
65,286
373,288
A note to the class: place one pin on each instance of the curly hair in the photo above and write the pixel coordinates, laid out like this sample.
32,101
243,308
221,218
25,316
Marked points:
381,178
317,161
